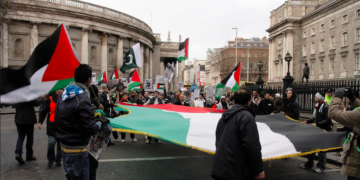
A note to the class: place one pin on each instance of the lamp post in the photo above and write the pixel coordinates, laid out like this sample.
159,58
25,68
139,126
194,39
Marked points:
235,46
247,63
288,79
260,81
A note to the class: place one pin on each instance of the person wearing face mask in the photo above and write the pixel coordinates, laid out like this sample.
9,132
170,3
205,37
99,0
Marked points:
223,104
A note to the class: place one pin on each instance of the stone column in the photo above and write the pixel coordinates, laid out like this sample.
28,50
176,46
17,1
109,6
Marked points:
85,47
34,36
5,46
104,54
147,70
120,55
151,64
141,69
271,61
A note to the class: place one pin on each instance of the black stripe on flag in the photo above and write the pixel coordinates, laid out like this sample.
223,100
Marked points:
304,137
14,79
225,80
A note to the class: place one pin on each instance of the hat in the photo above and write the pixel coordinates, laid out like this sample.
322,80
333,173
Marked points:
277,95
99,114
156,91
329,90
103,86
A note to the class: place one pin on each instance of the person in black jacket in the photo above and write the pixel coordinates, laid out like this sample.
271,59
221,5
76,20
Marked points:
108,107
266,106
238,148
48,109
182,101
323,121
75,124
25,119
290,106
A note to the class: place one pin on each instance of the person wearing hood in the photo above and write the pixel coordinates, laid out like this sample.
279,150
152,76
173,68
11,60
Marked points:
76,124
290,106
238,149
209,104
222,104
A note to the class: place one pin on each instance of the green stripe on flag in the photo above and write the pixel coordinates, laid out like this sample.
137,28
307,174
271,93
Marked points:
235,87
61,84
133,85
183,58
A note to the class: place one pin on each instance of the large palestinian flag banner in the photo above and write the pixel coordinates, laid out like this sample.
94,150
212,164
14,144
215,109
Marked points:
183,53
280,137
50,67
233,79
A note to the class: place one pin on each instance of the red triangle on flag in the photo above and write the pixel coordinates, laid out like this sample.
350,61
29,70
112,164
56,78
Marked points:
237,74
63,62
116,73
135,77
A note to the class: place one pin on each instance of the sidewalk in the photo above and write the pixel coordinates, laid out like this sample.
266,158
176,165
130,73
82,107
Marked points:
10,110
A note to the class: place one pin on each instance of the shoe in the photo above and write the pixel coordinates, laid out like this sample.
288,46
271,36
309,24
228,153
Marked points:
147,141
318,170
134,140
116,140
32,158
58,163
50,164
123,140
111,143
159,142
305,167
19,159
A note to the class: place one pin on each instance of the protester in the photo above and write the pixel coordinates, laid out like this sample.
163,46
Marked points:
182,101
104,99
350,119
223,104
328,96
290,106
48,109
322,120
176,97
266,106
277,105
126,99
188,97
254,106
238,148
165,100
75,124
201,98
155,100
25,119
261,96
209,104
255,95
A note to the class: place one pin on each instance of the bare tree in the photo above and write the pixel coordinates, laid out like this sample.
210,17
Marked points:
225,66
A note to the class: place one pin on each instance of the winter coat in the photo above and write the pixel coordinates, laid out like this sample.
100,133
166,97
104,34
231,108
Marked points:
291,107
321,119
103,98
306,71
350,119
45,113
179,103
255,108
266,107
238,148
74,118
25,112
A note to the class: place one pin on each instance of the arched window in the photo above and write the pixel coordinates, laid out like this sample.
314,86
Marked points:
19,48
93,54
111,59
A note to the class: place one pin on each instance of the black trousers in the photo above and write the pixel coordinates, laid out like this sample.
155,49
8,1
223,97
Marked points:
25,130
123,135
306,78
93,165
150,138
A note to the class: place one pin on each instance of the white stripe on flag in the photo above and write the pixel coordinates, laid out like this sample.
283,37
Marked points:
231,81
137,51
181,53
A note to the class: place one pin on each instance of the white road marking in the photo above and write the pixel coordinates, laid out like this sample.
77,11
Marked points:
151,158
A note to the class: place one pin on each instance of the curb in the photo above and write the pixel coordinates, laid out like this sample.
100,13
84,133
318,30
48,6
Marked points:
6,113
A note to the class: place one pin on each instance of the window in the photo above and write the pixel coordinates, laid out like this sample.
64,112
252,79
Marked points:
242,54
313,31
357,60
93,54
344,39
111,58
358,35
345,19
304,50
332,42
322,27
304,34
19,48
321,66
358,13
332,63
313,48
312,68
344,63
249,54
332,23
322,44
255,54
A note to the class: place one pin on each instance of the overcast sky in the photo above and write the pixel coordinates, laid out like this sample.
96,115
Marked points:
207,23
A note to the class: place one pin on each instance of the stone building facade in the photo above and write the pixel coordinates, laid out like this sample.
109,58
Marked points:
258,50
101,36
323,33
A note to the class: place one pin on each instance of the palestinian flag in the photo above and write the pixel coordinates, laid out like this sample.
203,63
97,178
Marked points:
220,90
233,80
115,75
160,86
280,137
135,83
50,67
102,78
132,59
183,53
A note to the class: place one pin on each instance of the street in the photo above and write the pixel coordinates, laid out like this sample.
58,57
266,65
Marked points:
131,161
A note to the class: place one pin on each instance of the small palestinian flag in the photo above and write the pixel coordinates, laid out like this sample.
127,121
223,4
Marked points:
233,80
132,58
135,83
50,67
160,86
183,53
115,75
102,78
